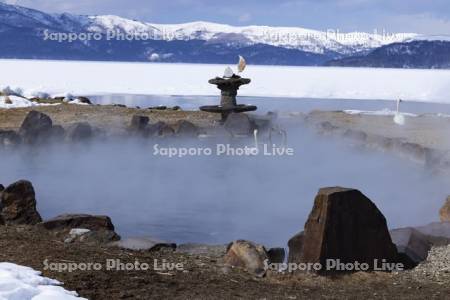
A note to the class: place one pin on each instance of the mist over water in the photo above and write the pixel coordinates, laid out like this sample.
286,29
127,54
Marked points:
216,199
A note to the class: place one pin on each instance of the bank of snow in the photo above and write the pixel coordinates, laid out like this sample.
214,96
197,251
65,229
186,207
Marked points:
91,78
18,282
18,102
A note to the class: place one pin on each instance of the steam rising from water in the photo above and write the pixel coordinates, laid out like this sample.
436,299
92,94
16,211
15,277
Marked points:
219,199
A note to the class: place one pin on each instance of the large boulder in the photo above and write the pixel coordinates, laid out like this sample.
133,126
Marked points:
186,129
412,245
101,229
79,132
239,124
345,225
247,255
139,123
9,138
295,245
439,231
444,213
36,128
19,204
70,221
160,129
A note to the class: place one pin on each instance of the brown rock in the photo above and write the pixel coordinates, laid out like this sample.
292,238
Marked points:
344,224
160,129
412,245
247,255
36,128
139,123
85,221
295,245
186,129
19,204
79,132
239,124
444,213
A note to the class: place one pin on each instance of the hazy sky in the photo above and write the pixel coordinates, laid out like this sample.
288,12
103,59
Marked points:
423,16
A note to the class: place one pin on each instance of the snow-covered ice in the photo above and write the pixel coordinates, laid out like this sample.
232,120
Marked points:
94,78
17,102
23,283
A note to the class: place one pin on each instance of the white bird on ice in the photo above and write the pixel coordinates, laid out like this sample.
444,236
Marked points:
399,119
242,64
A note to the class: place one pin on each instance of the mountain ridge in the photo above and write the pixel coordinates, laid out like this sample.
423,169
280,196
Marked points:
22,32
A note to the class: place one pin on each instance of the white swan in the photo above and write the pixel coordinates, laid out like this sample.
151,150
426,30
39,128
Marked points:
255,135
399,118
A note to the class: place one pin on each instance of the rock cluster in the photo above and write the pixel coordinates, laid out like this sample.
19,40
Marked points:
141,126
38,129
18,207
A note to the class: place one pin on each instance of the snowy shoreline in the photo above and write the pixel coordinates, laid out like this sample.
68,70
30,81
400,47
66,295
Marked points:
99,78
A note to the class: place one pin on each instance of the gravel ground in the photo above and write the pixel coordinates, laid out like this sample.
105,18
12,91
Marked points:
436,267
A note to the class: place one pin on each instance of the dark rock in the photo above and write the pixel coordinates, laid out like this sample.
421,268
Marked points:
9,138
85,221
139,123
436,230
84,100
355,135
36,128
57,133
344,224
412,246
186,129
276,255
2,188
247,255
295,245
120,105
143,244
413,150
19,204
160,129
79,132
444,212
176,108
327,126
239,124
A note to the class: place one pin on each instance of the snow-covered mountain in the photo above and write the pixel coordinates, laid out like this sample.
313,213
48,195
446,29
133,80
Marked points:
205,42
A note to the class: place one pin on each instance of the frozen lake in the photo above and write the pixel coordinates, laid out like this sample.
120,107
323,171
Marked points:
105,78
